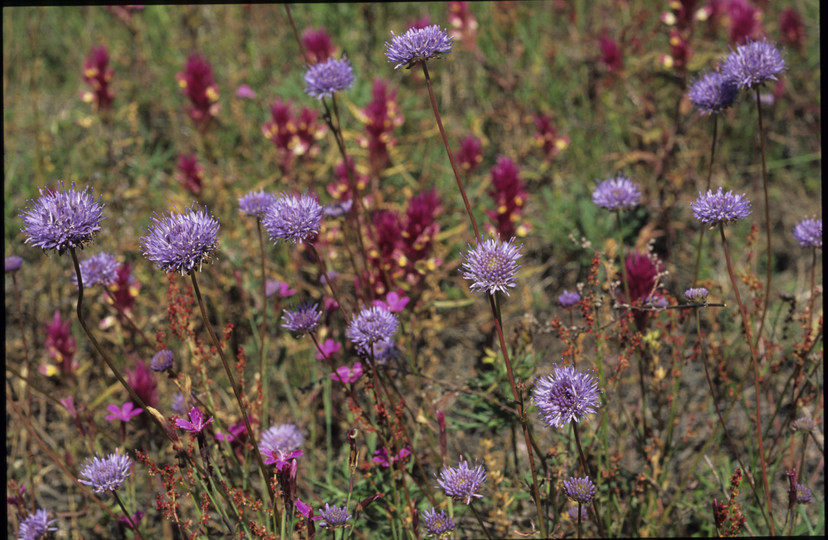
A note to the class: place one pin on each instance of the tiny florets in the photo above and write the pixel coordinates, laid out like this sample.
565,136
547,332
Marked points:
565,396
181,242
617,193
720,207
753,63
370,326
713,92
106,474
62,219
256,203
304,319
326,78
569,299
580,490
462,483
437,524
162,361
100,269
292,218
696,294
492,266
279,441
36,525
808,233
417,45
334,517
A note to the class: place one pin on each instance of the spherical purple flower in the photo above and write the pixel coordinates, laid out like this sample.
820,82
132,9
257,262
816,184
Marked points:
803,494
462,483
371,325
713,92
580,490
565,396
326,78
279,441
100,269
293,218
179,403
417,45
106,474
492,265
569,299
617,193
36,526
334,517
808,233
181,242
754,63
719,207
438,525
696,294
804,424
162,361
62,219
255,203
304,319
13,263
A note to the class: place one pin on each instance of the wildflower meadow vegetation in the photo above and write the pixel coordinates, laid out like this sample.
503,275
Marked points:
409,270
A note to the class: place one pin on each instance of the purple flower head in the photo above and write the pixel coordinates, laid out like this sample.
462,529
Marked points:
808,233
304,319
417,45
124,414
162,361
281,442
381,456
580,490
245,92
804,424
347,375
337,209
713,92
144,384
105,474
62,219
370,326
196,424
569,299
617,193
491,266
256,203
181,242
292,218
334,517
696,294
715,208
462,483
753,63
13,263
438,525
100,269
36,526
179,403
573,513
803,494
328,77
565,396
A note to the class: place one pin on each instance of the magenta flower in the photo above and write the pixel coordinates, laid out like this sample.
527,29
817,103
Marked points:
393,302
547,137
97,74
792,28
328,349
197,422
245,92
318,45
381,115
347,375
610,53
124,413
142,381
470,154
133,521
464,25
282,288
293,135
61,346
234,433
745,21
381,456
196,82
509,196
190,174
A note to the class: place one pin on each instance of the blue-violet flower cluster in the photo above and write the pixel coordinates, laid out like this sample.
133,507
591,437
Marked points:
334,517
162,360
580,490
696,294
438,525
569,299
304,319
491,266
106,474
753,63
565,396
372,325
808,233
617,193
292,218
280,442
62,219
713,92
417,45
720,207
36,526
462,483
326,78
256,203
181,242
100,269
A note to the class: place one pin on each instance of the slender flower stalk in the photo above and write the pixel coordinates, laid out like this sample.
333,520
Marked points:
133,525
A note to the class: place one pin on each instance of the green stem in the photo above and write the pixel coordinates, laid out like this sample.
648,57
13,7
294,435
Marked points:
755,361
